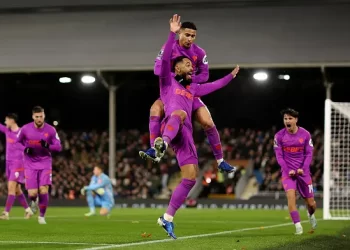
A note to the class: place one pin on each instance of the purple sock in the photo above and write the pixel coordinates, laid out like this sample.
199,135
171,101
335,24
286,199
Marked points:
171,128
154,128
295,216
33,198
23,201
179,195
9,202
214,141
43,202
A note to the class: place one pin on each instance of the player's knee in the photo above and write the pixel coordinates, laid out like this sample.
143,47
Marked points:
157,108
18,190
189,172
104,211
12,187
182,114
43,190
33,192
204,118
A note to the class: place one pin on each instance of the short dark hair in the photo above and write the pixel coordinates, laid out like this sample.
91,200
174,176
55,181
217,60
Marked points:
178,60
12,116
188,25
37,109
291,112
100,167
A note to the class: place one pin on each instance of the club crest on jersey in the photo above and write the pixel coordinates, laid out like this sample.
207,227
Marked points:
194,58
301,140
46,135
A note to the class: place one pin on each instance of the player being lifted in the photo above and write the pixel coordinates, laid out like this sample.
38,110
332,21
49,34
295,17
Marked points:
14,167
39,140
293,148
185,46
177,93
99,193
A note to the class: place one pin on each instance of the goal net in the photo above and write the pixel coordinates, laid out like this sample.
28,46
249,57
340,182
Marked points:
336,176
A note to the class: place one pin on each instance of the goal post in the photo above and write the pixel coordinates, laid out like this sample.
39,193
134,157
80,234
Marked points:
336,174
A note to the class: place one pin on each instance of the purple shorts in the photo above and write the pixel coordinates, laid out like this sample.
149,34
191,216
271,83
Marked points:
197,103
15,171
301,183
183,146
36,178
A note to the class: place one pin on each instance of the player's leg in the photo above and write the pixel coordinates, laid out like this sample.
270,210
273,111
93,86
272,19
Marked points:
106,207
171,129
203,116
23,201
289,185
11,197
45,180
92,201
156,114
305,188
187,157
31,184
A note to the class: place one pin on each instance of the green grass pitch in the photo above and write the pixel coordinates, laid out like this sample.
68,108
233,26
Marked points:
67,228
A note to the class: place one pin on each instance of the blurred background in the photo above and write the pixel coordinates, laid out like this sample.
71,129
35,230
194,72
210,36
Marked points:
90,65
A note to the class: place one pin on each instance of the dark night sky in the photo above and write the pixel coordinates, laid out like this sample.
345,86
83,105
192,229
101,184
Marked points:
244,103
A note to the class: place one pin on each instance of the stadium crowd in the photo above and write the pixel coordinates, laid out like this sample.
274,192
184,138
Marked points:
135,178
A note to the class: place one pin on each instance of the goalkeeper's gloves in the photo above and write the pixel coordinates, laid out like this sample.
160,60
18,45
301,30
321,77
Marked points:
44,144
82,191
100,191
28,151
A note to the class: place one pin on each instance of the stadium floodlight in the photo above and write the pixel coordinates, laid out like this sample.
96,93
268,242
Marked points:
87,79
65,80
260,76
55,123
284,77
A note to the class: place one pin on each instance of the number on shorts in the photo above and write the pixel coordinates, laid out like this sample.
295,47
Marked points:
311,189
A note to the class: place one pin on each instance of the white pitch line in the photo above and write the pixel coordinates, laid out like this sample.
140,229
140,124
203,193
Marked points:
51,243
189,237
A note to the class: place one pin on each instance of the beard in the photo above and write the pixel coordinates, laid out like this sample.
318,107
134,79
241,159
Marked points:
182,79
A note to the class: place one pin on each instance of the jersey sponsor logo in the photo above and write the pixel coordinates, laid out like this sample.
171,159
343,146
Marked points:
311,143
293,149
160,54
205,60
10,140
184,93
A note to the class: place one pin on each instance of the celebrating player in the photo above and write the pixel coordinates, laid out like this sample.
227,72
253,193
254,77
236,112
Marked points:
99,193
185,47
14,167
178,93
39,140
293,147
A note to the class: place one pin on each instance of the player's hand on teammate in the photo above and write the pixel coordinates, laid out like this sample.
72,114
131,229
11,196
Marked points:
44,143
175,23
300,171
235,71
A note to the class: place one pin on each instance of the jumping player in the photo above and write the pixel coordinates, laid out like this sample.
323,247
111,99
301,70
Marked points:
293,148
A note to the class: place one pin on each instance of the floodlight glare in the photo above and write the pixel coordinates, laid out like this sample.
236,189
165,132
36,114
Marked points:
88,79
260,76
65,80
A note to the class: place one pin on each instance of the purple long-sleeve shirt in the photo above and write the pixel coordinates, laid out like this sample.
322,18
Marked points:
13,152
195,53
174,95
30,137
293,151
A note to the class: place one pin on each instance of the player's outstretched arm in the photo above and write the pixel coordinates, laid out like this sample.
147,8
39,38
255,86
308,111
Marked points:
2,128
165,71
104,183
308,150
207,88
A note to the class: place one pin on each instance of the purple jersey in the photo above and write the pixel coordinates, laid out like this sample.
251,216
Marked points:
13,152
174,95
293,151
195,53
30,137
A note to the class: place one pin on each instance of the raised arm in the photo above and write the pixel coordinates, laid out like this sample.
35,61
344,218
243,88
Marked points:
279,153
203,69
308,149
207,88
